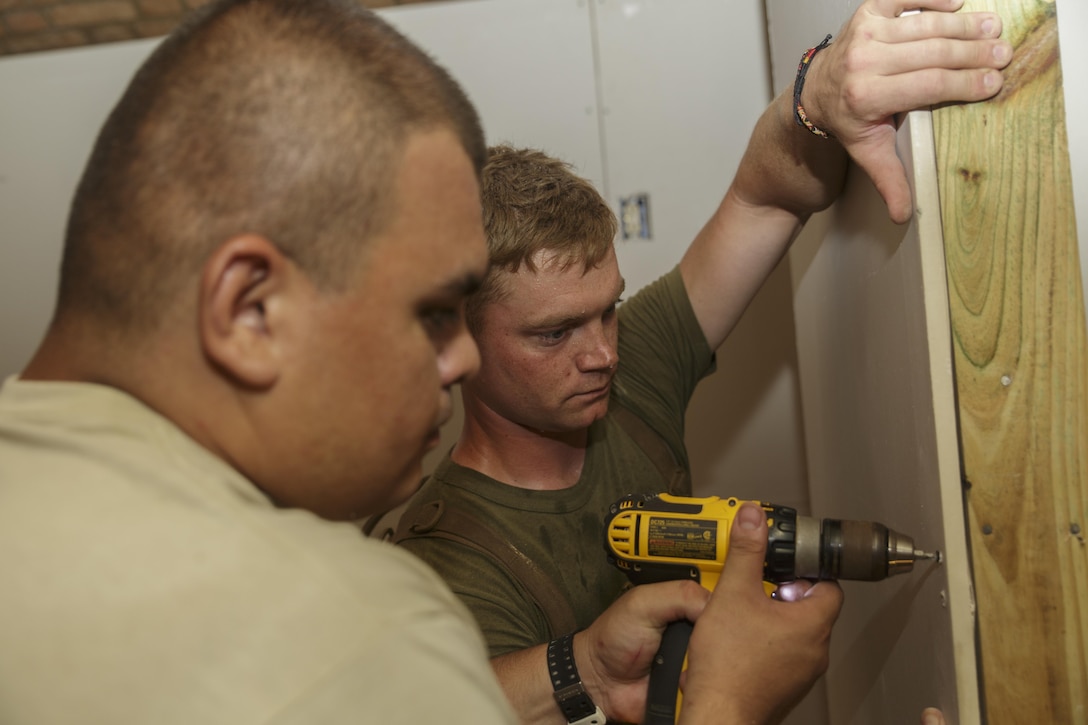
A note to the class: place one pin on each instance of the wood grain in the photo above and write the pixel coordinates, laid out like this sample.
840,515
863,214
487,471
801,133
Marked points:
1021,367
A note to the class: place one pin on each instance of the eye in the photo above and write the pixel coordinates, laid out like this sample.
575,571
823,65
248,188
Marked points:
553,337
441,321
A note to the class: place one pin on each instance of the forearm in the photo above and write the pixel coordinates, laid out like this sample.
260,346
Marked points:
786,174
786,167
524,678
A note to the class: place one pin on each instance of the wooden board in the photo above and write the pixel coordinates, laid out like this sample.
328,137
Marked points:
1021,361
879,419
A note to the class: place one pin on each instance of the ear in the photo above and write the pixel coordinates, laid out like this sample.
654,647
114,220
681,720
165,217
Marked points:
243,287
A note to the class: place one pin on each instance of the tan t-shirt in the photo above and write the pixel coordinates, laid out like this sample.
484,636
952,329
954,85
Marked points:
142,580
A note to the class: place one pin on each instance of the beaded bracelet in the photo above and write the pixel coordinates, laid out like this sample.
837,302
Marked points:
798,85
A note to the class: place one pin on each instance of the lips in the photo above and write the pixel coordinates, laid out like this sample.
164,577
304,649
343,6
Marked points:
596,391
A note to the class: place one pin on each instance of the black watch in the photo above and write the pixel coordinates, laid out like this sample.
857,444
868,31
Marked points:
570,694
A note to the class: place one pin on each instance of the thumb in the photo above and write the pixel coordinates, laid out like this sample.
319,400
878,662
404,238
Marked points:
877,157
747,545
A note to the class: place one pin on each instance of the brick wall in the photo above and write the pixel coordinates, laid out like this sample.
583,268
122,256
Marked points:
27,26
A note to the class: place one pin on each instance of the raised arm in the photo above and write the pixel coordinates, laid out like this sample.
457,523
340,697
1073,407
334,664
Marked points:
881,63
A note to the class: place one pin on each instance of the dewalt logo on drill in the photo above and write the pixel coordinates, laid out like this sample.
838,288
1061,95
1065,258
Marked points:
682,538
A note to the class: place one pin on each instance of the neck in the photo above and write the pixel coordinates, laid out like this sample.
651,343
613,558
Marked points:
159,375
518,455
72,353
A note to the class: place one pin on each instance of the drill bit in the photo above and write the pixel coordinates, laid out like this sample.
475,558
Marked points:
934,555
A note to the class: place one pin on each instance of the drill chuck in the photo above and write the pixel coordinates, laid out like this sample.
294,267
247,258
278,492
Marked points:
855,550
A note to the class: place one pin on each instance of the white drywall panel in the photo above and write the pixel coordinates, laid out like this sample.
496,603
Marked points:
1072,21
682,83
874,350
54,104
527,65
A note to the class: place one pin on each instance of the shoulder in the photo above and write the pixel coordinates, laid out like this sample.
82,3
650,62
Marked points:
666,291
356,568
399,617
240,614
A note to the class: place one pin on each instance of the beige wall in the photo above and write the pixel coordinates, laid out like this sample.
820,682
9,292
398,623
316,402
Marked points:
27,26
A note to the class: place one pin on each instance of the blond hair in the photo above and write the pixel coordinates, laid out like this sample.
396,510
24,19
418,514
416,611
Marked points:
535,203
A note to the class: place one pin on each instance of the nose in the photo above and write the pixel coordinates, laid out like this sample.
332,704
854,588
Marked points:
600,349
460,358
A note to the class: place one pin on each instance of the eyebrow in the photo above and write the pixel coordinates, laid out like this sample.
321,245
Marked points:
462,286
566,321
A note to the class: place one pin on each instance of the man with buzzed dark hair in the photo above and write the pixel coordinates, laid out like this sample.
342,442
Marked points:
248,330
258,325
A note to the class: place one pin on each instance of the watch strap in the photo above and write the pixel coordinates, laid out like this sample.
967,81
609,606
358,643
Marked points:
571,696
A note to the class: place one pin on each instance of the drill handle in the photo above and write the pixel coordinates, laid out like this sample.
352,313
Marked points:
663,692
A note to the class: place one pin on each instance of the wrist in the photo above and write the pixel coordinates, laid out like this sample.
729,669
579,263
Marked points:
802,113
572,696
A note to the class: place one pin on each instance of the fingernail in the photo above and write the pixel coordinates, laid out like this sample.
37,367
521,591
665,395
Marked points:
1002,53
988,26
990,80
750,517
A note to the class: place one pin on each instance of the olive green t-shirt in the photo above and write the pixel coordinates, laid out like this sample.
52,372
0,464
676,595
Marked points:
663,355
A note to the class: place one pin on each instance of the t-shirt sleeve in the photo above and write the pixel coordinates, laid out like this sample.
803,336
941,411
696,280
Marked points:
416,655
506,616
423,672
663,356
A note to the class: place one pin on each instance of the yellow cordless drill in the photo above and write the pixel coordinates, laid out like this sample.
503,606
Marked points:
663,537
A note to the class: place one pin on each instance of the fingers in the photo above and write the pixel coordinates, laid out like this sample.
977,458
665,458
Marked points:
793,591
895,8
898,58
953,26
617,649
924,88
932,716
648,608
664,602
827,597
934,57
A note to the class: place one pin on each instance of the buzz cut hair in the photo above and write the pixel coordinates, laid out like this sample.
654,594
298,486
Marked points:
283,118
